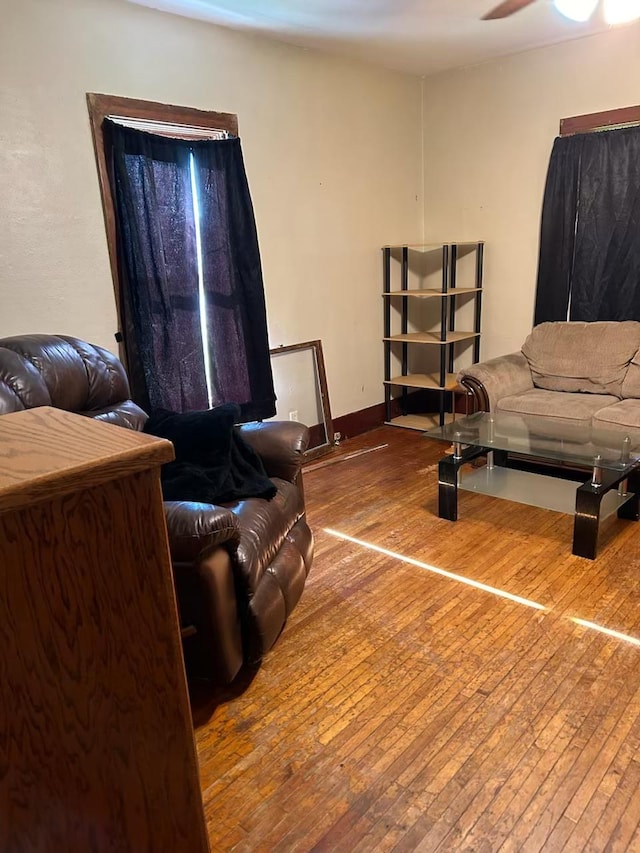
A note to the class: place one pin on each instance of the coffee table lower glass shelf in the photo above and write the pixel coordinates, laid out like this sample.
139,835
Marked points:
611,457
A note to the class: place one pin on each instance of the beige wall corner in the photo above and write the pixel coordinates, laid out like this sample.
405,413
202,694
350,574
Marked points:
488,133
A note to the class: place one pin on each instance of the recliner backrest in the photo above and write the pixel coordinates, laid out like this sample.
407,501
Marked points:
66,373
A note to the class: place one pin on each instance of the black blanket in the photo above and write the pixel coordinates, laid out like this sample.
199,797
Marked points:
213,463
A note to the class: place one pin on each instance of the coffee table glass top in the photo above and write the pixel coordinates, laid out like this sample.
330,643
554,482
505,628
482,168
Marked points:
544,438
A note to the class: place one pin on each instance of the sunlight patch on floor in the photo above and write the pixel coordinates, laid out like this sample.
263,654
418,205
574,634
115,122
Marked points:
442,572
609,631
478,585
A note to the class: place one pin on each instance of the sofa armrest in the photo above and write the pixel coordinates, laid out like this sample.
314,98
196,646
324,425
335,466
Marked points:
280,444
195,529
489,381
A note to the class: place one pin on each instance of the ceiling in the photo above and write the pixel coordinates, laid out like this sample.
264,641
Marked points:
418,36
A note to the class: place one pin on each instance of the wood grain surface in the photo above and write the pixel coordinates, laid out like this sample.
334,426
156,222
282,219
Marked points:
405,710
96,744
47,452
597,121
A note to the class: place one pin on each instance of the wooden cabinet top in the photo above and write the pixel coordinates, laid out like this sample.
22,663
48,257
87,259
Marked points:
47,451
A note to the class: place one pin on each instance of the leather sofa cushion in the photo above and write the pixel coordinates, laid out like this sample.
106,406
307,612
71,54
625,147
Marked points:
21,386
564,407
280,445
126,414
72,374
276,596
587,357
264,525
621,415
196,528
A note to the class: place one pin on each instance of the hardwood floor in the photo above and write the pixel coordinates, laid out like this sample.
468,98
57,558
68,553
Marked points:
405,710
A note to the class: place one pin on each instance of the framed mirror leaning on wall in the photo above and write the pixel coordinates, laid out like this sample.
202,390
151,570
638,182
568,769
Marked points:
301,389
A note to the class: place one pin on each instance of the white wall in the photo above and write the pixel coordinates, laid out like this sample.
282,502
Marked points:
332,151
488,136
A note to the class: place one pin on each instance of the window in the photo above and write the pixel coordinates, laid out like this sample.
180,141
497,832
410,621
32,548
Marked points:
184,256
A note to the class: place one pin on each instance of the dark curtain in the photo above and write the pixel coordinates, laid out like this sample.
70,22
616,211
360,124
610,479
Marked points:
158,260
158,268
590,232
234,290
557,230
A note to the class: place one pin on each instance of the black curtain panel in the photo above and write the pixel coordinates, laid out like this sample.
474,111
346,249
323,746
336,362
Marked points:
557,230
162,312
590,233
232,274
159,270
606,272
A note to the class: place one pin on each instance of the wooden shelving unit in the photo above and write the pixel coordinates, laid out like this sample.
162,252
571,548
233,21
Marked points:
398,302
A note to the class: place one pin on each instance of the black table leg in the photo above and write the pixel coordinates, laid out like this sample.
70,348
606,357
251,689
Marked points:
631,509
448,488
587,520
448,468
500,458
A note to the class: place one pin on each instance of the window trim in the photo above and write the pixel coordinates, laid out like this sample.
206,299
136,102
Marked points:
606,120
103,106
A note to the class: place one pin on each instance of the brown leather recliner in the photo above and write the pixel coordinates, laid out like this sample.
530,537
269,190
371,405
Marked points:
239,568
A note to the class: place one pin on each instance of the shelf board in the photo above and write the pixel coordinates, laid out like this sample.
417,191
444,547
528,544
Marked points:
532,489
429,247
432,337
429,293
421,422
426,380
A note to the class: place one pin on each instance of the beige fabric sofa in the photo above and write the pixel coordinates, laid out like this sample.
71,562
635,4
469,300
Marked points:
575,373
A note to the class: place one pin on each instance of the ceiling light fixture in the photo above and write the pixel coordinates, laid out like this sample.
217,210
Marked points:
576,10
621,11
615,11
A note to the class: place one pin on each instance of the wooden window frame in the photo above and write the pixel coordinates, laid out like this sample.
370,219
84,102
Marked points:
104,106
606,120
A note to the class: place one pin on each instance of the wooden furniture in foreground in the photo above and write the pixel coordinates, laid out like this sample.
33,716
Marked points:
97,749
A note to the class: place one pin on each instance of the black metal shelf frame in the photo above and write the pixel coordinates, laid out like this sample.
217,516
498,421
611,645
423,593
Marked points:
447,317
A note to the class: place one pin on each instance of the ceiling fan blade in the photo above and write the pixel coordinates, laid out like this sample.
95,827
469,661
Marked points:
508,7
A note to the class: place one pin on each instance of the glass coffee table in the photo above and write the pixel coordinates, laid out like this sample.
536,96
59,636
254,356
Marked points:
609,460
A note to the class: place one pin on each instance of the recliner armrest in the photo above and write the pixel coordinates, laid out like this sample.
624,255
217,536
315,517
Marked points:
195,529
491,380
280,444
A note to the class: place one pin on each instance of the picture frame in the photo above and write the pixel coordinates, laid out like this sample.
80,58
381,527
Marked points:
300,380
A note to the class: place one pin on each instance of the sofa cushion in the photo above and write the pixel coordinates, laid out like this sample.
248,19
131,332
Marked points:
564,407
631,384
264,526
21,386
64,372
587,357
126,414
622,415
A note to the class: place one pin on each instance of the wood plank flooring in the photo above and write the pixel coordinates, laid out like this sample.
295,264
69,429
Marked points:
405,710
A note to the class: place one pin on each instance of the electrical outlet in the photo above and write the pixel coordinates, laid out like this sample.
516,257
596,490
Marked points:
293,416
336,437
